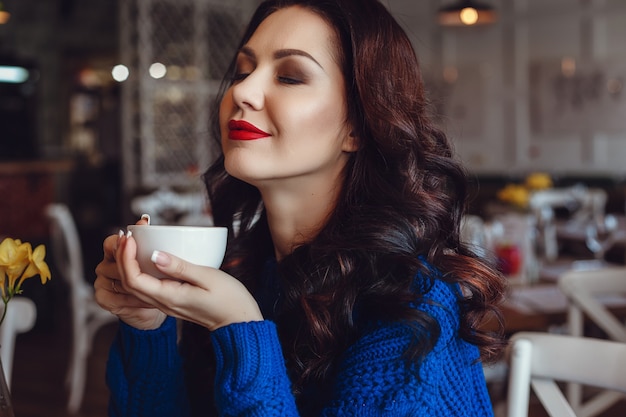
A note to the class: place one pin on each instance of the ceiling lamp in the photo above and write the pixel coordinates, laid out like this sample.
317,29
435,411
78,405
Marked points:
4,15
466,13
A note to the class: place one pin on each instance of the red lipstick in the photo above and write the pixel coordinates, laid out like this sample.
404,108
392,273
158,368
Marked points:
242,130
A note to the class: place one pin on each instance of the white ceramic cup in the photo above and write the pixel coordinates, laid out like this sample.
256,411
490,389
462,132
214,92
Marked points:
199,245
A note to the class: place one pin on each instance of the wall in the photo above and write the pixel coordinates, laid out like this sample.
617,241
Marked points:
60,36
501,111
63,38
507,103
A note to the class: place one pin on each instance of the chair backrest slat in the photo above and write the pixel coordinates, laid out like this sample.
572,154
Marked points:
584,289
541,359
552,397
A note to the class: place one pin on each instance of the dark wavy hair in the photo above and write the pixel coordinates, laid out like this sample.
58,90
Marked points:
400,207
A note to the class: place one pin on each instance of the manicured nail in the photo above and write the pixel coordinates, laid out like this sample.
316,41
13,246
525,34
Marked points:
160,258
129,234
119,236
146,217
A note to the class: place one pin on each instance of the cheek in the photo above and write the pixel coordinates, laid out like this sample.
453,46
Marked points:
225,109
224,115
320,116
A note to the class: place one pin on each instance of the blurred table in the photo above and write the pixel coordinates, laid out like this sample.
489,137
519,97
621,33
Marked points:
539,307
572,231
573,238
552,271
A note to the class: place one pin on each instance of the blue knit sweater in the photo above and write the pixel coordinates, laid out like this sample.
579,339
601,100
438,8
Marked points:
145,378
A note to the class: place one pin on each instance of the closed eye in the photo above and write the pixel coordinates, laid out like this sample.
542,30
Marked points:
289,80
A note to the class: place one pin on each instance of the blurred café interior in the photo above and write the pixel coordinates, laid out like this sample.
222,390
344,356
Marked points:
105,108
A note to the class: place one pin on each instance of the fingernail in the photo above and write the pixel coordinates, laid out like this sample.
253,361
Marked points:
119,236
146,216
160,258
129,234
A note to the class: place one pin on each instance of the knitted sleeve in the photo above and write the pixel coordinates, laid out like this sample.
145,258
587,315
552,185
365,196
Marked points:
251,378
144,373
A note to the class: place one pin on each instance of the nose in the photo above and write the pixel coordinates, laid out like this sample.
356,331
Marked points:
248,93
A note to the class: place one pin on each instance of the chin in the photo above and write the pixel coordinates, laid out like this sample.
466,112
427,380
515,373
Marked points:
235,169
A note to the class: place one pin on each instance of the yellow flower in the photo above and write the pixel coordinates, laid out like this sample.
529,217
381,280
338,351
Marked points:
38,266
514,194
19,262
538,181
519,194
14,258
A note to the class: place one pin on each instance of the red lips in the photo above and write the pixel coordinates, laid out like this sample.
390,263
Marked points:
242,130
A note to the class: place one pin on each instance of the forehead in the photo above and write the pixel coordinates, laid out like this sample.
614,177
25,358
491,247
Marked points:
296,27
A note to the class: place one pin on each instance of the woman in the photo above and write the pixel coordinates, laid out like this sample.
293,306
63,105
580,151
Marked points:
346,290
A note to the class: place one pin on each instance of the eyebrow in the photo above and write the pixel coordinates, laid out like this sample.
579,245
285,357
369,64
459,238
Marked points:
281,53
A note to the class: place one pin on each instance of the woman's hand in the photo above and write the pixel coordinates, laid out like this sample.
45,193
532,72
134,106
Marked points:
111,295
199,294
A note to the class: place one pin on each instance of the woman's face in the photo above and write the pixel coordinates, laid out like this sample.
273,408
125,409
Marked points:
283,120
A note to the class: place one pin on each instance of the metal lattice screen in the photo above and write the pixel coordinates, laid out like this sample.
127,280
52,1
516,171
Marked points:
166,119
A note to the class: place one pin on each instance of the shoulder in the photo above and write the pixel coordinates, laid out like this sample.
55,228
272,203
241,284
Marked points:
373,372
383,340
376,372
385,343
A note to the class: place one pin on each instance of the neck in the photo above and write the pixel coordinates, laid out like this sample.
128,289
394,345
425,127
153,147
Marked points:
296,215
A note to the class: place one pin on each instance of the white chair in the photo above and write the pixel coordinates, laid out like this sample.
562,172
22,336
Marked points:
541,359
20,318
87,316
590,292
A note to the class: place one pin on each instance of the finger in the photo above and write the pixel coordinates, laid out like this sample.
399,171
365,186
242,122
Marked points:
113,301
107,284
108,266
145,219
110,245
101,283
107,269
126,255
212,298
133,280
114,286
180,269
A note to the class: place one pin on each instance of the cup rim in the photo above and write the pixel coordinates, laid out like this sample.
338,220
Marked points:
174,226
